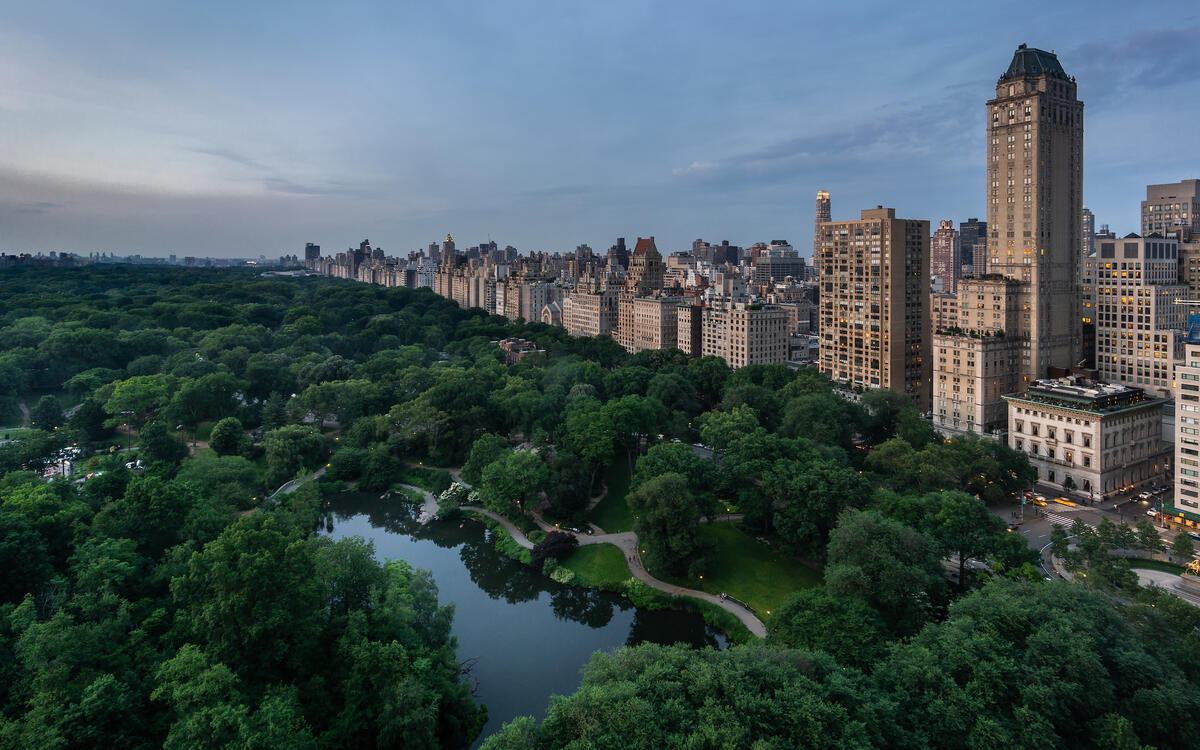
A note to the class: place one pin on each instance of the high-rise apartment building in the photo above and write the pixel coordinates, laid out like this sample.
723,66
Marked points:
1187,428
643,278
1088,232
311,252
944,257
1034,191
972,234
745,333
1140,323
1175,204
1035,201
874,297
824,214
975,361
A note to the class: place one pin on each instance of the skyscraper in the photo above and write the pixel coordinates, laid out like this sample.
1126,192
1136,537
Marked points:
1175,204
1088,230
1035,201
311,252
824,213
874,287
972,233
944,256
1024,309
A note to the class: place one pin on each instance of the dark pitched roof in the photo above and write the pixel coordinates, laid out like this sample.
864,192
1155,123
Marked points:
644,244
1031,62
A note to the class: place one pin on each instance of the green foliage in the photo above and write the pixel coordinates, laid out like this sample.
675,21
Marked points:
486,449
816,620
228,438
158,444
46,414
668,525
888,566
512,483
292,448
1182,546
430,480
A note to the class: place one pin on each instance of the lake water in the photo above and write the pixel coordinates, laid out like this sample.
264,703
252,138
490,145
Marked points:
525,636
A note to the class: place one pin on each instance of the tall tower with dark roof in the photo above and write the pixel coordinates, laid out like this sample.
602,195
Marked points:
1035,203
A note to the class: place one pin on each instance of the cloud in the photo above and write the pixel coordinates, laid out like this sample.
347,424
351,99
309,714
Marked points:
232,156
1143,61
28,207
895,133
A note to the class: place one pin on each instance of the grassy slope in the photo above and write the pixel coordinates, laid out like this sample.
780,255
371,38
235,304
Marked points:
612,514
598,565
747,569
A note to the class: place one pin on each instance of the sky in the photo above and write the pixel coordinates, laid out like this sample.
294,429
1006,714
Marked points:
239,129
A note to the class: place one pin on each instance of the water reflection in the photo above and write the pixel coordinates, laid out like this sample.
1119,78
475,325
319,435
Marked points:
528,636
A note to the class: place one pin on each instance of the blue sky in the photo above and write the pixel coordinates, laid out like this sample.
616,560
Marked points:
224,128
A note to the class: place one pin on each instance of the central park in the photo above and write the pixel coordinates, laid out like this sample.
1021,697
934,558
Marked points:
266,511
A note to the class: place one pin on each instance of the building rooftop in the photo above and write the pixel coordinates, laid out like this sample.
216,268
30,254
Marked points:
1076,392
1030,62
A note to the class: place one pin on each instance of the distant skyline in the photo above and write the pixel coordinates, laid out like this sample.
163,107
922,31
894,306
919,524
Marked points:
224,129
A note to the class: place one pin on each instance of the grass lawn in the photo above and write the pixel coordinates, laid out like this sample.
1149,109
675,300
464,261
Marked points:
612,514
598,565
432,480
747,569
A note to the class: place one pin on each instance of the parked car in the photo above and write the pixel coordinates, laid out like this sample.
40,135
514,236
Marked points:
1194,535
1152,512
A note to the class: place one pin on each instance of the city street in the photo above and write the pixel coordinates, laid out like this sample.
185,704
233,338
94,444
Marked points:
1036,522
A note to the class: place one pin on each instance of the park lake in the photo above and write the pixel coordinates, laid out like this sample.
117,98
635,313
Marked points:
523,636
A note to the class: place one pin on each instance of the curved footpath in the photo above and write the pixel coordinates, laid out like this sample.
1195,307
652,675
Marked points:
625,541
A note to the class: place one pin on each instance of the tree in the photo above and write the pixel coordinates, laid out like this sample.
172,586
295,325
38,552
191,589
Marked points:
1148,537
88,420
888,565
253,596
678,458
963,525
228,438
667,522
292,448
158,444
511,484
807,497
721,429
46,414
557,544
134,399
1182,546
1059,541
209,397
274,412
843,627
589,434
486,449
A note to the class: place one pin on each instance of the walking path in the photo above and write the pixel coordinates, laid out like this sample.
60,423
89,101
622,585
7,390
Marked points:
627,542
292,485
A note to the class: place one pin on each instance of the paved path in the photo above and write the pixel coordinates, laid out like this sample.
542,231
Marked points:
1168,582
429,507
627,542
292,485
517,535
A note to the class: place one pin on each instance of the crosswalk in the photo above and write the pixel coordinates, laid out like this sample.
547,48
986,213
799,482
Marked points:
1061,520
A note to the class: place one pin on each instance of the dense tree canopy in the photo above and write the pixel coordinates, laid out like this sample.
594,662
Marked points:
167,601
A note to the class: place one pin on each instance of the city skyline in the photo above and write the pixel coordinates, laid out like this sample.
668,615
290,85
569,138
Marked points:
158,131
